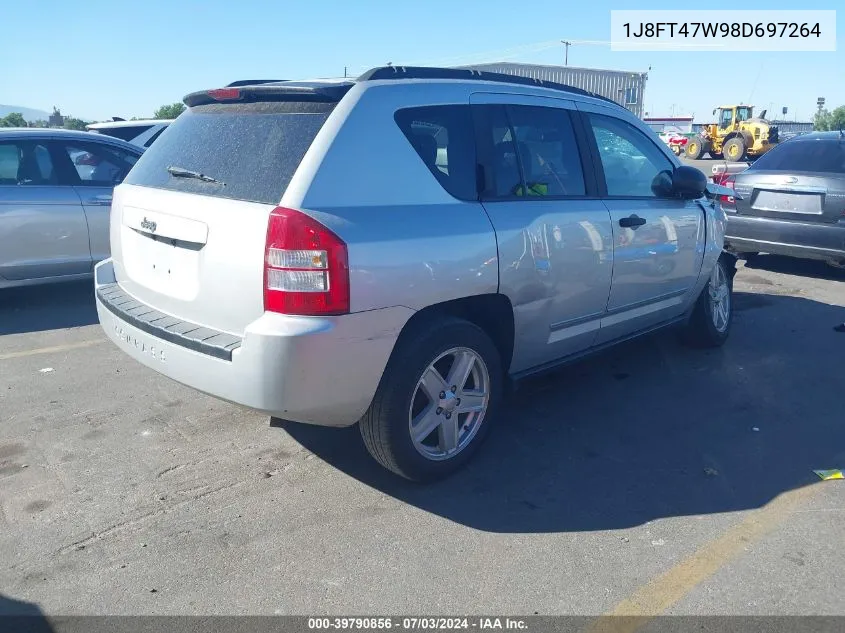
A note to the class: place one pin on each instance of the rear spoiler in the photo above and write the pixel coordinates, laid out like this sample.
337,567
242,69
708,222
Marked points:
287,91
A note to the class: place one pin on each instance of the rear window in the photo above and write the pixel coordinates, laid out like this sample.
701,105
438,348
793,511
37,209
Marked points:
126,133
252,150
827,156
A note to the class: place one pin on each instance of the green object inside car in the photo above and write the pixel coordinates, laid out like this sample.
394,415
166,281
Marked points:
534,189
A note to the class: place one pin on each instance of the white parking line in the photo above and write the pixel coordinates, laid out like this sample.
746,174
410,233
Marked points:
51,350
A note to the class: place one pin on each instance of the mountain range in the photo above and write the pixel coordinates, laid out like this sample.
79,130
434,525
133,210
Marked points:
30,114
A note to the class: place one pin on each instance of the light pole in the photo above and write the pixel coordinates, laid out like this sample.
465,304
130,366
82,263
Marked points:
566,45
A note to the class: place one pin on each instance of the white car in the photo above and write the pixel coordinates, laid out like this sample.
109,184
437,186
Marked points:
141,132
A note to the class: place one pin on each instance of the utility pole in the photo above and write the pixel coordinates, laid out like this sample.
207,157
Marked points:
566,44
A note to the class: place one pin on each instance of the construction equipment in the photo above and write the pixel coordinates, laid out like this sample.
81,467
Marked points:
737,135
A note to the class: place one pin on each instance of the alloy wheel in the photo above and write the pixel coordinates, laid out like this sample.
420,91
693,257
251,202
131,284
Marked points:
449,404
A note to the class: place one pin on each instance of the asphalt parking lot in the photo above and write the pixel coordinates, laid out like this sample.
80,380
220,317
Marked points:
650,479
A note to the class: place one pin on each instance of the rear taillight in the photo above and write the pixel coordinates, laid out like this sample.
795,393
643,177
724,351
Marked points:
728,201
306,267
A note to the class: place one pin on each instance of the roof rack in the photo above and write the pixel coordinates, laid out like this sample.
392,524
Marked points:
427,72
252,82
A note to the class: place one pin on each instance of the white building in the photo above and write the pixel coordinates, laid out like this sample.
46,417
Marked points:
677,124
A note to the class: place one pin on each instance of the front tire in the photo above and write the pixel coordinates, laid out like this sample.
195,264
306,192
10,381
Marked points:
694,148
436,400
712,316
734,149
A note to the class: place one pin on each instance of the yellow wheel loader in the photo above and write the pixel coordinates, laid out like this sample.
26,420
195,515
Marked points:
737,135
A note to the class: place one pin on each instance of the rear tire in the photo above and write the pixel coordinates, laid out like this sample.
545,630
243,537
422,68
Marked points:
710,322
734,149
404,407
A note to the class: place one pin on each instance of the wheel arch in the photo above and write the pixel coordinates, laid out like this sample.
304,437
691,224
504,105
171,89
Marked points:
492,312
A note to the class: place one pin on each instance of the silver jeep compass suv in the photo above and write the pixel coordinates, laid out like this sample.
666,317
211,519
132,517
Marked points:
390,251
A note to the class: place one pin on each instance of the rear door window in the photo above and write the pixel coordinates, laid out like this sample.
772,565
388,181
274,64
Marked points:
443,138
528,152
98,165
250,150
126,132
548,152
501,178
825,156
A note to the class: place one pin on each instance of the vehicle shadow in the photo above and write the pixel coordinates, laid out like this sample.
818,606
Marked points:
23,617
647,430
800,267
47,307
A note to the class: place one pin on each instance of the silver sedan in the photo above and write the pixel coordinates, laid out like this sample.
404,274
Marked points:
55,200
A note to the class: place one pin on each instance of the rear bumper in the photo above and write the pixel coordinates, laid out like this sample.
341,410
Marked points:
779,237
316,370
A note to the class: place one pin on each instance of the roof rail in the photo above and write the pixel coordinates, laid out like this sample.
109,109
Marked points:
427,72
252,82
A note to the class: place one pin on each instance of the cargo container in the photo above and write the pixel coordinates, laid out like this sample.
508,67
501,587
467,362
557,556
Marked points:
624,87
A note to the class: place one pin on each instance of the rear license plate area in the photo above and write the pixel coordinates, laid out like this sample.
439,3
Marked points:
788,202
160,263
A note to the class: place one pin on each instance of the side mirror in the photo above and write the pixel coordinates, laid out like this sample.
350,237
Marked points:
662,186
688,183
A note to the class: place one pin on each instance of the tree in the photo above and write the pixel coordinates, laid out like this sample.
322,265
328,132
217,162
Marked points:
821,121
169,111
826,120
74,124
14,119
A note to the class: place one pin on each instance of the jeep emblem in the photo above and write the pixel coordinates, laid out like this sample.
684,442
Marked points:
149,225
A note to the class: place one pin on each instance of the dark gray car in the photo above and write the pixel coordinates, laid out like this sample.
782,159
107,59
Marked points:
791,201
55,199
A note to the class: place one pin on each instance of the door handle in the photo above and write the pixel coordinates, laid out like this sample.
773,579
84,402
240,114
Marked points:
98,201
632,222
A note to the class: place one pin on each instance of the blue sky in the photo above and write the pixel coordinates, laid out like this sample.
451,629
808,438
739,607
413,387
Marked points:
98,59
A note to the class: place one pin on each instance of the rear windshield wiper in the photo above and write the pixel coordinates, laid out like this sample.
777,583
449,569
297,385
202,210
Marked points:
181,172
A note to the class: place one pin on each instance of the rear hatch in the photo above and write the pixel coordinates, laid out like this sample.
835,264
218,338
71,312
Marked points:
802,181
189,224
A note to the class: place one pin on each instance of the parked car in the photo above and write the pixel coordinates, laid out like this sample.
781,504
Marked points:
391,250
140,132
55,197
791,201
